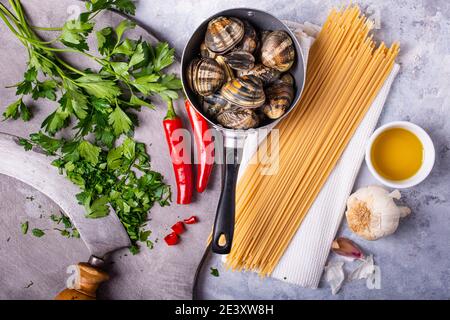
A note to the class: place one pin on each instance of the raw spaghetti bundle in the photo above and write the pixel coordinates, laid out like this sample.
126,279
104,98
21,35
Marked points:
345,73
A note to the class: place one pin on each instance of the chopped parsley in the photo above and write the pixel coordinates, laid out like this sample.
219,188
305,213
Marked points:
214,272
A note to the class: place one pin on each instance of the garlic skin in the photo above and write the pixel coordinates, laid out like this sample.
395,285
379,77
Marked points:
372,213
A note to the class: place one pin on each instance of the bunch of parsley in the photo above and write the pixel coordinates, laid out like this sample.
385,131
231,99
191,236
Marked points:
110,170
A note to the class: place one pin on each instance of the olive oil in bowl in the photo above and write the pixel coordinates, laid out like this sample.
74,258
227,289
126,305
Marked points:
397,154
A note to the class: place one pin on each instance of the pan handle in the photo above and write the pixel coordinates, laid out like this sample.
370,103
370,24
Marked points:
224,223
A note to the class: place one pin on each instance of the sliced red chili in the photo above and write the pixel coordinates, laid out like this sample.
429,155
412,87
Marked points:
172,239
178,227
191,220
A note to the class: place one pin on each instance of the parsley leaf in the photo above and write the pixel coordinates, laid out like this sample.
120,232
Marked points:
50,145
89,151
24,227
26,144
138,56
99,208
75,233
106,40
120,122
143,236
74,101
123,26
148,83
17,109
37,232
46,89
56,120
134,249
126,47
163,56
120,68
31,74
214,272
95,85
75,32
114,158
126,6
138,102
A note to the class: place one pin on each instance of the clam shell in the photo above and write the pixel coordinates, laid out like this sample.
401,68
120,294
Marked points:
279,96
205,52
288,79
205,76
191,73
229,75
245,91
223,33
214,104
240,60
249,42
265,74
238,118
278,51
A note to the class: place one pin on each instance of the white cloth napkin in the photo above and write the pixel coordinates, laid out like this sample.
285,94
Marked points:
304,260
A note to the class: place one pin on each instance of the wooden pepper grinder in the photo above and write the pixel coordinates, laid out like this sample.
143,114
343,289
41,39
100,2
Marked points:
83,284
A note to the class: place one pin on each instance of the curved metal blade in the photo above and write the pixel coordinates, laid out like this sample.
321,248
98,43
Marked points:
33,167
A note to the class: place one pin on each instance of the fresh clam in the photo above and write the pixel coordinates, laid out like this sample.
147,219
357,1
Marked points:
240,60
279,96
278,51
205,52
265,74
238,118
245,91
229,75
288,78
205,76
249,42
214,104
223,33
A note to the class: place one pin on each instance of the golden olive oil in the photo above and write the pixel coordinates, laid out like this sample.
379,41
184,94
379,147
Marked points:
397,154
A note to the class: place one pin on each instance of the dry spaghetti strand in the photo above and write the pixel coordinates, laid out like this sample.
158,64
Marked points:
346,70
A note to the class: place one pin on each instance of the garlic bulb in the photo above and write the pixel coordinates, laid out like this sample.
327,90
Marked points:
372,212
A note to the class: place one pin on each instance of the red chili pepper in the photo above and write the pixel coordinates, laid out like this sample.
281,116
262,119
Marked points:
182,168
204,145
172,239
178,227
191,220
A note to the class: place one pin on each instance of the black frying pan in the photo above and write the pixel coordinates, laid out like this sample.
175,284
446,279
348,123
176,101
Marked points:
234,139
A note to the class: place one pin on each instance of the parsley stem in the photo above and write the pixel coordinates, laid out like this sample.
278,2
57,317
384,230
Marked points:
68,66
170,115
46,29
6,11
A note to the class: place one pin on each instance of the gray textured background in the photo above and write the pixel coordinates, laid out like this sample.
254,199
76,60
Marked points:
415,260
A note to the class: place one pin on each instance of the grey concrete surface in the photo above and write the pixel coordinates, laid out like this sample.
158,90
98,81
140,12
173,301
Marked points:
415,261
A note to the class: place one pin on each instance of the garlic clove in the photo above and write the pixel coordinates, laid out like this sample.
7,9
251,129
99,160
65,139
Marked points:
347,248
404,211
